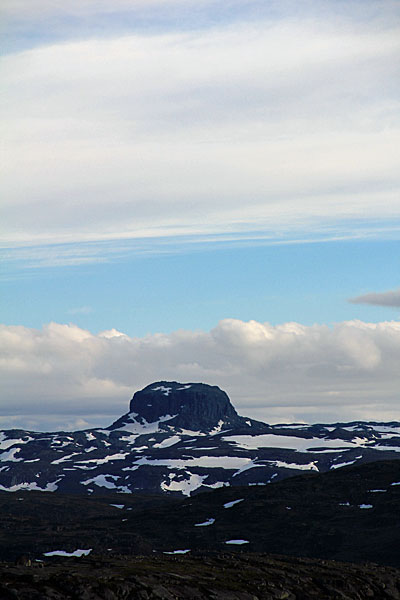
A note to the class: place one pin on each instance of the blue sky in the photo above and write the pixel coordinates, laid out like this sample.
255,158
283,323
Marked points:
200,173
194,289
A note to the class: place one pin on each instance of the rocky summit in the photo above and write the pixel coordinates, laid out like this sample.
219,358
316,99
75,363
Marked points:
192,406
181,439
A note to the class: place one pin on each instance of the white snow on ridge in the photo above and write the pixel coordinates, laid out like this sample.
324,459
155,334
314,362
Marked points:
184,387
343,464
145,427
232,503
50,487
102,481
106,459
251,465
237,542
6,442
387,448
165,390
217,428
224,462
77,553
64,458
306,467
290,442
185,486
168,442
210,521
178,551
9,455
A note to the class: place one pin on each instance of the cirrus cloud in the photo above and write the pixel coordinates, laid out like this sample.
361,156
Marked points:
274,373
287,123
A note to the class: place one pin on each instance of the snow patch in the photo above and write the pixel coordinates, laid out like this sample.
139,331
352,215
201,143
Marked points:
145,427
232,503
9,455
165,390
305,467
291,442
102,481
64,458
210,521
64,553
185,486
168,442
7,442
237,542
50,487
106,459
343,464
224,462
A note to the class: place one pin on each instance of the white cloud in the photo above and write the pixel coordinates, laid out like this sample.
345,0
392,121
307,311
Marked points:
274,373
389,298
287,123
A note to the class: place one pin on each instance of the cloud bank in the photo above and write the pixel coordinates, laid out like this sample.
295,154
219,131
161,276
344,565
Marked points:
389,298
55,376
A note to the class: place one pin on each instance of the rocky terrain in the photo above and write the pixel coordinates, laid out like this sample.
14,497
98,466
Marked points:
349,514
182,439
183,498
213,577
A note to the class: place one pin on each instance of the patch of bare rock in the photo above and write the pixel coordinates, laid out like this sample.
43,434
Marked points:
209,577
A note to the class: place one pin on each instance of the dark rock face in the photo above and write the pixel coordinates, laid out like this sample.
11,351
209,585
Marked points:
195,406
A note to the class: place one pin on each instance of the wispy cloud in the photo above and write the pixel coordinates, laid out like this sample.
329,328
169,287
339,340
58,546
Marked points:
288,122
20,260
273,373
389,298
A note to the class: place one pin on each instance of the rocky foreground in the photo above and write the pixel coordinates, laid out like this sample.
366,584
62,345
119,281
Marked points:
212,577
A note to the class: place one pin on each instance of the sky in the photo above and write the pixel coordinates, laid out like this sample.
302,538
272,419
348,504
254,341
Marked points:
200,191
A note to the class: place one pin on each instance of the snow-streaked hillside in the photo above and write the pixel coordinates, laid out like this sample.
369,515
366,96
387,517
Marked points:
184,438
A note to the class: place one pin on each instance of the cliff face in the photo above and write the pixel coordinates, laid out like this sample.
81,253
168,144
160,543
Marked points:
193,406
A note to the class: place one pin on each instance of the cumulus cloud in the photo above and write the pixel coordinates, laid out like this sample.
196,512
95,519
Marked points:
389,298
174,132
53,376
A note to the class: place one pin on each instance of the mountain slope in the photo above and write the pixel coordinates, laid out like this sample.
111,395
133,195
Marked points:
183,439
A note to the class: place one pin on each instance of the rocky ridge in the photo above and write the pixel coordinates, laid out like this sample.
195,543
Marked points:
184,438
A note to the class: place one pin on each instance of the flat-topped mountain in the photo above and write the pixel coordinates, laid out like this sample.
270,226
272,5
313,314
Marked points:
184,438
191,406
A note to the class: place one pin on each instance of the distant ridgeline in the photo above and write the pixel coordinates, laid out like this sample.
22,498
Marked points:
184,438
